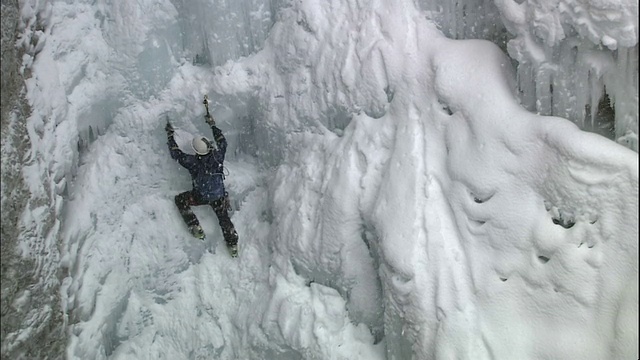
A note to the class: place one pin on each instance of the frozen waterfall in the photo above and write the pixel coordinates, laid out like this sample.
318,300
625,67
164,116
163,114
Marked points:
410,179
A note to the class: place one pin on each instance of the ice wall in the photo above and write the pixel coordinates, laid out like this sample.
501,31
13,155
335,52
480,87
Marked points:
467,19
214,31
577,60
80,64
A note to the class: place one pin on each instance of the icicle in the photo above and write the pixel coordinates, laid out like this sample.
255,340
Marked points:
453,20
460,22
596,94
543,90
526,84
624,91
580,88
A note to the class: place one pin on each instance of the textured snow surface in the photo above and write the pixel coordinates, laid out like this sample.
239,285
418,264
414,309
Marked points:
392,197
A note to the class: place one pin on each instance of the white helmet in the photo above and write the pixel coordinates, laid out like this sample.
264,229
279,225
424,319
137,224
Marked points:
200,145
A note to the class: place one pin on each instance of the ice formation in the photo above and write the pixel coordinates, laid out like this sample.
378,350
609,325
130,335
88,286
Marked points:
394,196
575,59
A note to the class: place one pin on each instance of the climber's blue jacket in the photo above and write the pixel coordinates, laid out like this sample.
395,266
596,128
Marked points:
206,170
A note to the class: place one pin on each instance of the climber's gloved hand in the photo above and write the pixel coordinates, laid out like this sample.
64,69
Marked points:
169,129
209,120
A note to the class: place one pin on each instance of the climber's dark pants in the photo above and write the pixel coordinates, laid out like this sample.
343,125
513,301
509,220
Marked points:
187,199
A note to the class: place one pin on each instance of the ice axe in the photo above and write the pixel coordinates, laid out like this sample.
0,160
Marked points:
206,104
208,117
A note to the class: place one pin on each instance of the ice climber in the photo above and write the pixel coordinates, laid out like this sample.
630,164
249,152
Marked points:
206,169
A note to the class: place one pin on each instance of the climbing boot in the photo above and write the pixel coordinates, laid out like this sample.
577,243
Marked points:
196,231
233,250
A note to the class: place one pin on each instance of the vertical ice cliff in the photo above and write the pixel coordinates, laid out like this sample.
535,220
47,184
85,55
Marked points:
213,32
